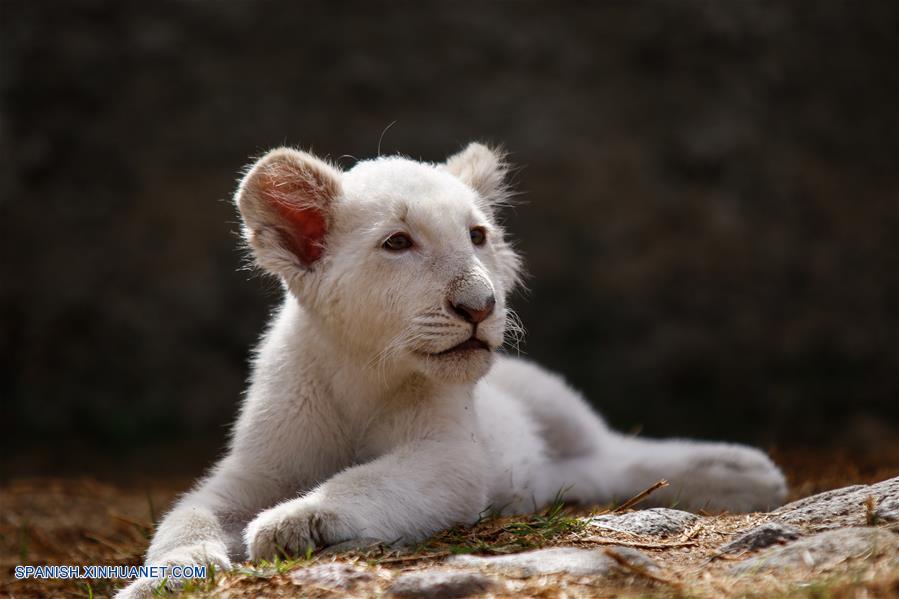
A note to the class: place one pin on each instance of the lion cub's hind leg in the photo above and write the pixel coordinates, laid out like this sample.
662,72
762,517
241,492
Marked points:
593,464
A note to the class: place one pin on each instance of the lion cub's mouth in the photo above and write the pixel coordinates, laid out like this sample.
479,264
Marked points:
472,344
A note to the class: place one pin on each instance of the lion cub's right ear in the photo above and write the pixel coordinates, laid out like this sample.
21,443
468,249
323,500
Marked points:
285,201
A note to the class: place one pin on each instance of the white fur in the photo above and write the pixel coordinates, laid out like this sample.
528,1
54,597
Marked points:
352,427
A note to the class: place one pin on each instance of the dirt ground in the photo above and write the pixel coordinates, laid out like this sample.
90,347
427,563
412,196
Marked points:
81,520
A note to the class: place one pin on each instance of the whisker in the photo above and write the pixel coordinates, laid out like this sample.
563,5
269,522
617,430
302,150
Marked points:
515,330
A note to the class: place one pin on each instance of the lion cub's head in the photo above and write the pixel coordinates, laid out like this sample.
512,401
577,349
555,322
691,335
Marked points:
402,263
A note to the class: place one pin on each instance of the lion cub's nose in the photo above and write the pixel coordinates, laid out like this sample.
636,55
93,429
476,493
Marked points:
475,315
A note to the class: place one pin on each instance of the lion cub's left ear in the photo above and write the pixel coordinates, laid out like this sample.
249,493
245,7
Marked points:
285,201
484,169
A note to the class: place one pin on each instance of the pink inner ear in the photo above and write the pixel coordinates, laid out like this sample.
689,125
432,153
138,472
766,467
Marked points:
302,227
304,231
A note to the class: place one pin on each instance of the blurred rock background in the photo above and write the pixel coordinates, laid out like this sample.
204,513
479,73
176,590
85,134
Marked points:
709,205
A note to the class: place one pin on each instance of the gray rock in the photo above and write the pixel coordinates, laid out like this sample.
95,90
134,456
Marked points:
362,545
887,509
765,535
567,560
441,584
332,576
822,550
842,507
656,522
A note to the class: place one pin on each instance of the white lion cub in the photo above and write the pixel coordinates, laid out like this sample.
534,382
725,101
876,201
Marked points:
379,406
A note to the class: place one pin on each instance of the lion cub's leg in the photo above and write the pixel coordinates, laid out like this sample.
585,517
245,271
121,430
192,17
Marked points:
711,476
415,490
204,527
701,475
595,464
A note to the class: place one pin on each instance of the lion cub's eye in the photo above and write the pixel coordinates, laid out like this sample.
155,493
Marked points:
478,235
398,242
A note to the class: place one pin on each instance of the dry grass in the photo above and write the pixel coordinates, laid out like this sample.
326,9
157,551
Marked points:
82,521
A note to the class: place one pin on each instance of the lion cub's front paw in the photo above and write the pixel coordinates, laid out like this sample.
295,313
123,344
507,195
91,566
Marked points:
291,529
212,555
